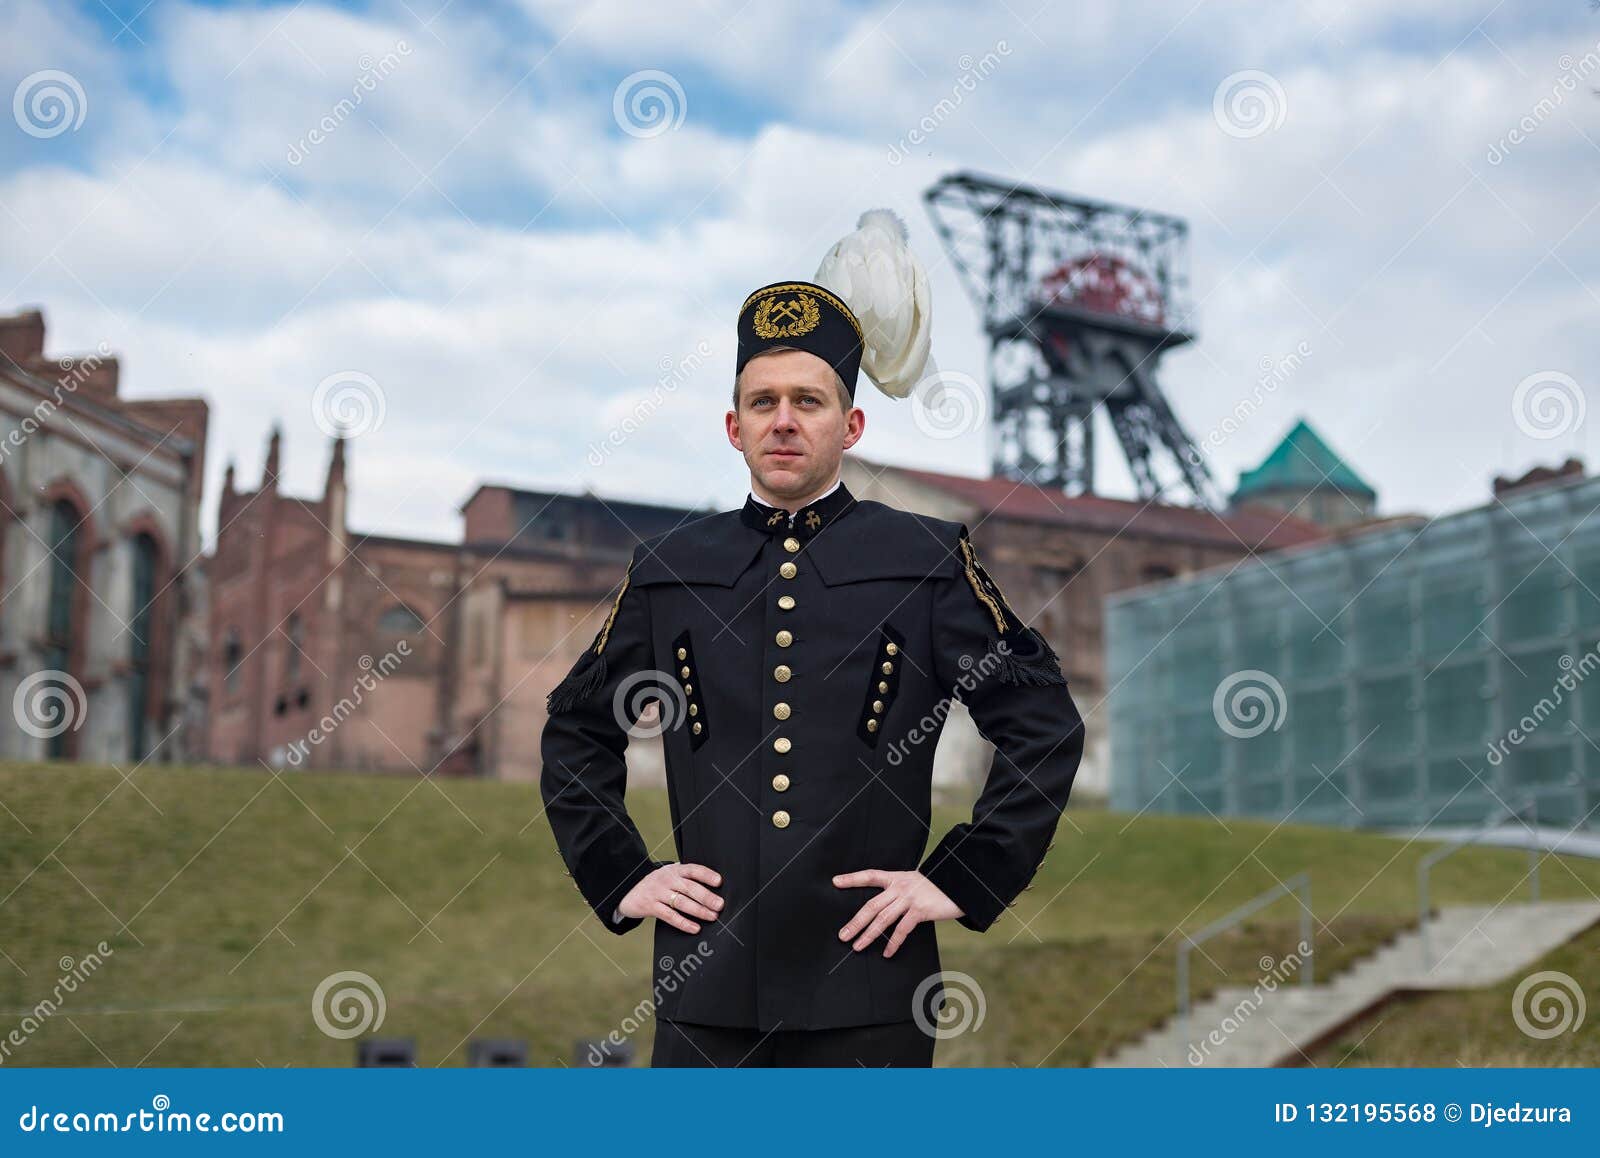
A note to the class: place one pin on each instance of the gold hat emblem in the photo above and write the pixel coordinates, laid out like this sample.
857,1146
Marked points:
786,317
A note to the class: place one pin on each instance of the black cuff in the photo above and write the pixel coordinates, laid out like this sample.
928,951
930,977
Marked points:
960,869
606,902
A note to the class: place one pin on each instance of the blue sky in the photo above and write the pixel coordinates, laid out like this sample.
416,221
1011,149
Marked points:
484,243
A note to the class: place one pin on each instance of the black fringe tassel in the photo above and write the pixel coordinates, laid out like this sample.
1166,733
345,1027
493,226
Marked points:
587,677
1039,668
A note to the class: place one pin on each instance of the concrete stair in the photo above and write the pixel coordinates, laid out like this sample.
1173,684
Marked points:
1472,946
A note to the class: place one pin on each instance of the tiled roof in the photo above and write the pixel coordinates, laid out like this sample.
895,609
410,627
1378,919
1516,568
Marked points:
1258,528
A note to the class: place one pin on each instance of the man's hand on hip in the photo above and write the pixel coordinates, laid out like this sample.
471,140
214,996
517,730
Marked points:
674,893
907,897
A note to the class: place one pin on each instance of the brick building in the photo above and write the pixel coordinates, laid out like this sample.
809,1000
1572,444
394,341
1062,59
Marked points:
101,616
336,649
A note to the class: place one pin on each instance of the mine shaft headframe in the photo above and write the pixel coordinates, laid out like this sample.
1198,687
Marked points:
1007,239
1079,300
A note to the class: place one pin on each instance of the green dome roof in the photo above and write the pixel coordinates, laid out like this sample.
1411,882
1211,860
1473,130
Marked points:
1302,462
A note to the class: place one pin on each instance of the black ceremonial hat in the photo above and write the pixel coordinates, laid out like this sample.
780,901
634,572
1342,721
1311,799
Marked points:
807,317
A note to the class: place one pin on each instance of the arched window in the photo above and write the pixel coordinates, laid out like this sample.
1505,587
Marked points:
61,618
295,633
399,620
146,559
232,656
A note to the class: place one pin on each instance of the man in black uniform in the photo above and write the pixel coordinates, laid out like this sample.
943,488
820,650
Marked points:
804,651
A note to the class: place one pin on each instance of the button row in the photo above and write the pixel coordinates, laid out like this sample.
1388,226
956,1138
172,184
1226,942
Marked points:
783,673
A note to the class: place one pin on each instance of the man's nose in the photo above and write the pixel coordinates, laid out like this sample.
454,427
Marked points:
786,416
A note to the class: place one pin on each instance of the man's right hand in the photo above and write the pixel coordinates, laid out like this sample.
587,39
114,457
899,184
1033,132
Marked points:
675,893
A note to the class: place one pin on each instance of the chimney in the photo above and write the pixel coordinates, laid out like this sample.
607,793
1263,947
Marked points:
1539,476
22,337
269,473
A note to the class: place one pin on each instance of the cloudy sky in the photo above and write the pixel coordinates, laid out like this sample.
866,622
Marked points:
454,224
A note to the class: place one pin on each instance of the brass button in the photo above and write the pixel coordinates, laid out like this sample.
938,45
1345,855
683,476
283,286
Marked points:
688,689
788,570
889,649
784,638
781,745
780,710
781,673
694,709
683,653
780,783
697,727
887,667
786,602
883,685
872,725
877,706
780,819
791,545
684,672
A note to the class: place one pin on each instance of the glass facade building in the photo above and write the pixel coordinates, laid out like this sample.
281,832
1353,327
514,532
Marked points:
1423,672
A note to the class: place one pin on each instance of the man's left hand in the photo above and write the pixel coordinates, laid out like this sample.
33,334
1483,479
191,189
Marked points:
907,897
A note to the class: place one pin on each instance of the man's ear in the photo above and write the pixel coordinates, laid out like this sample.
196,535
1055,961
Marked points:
734,437
855,427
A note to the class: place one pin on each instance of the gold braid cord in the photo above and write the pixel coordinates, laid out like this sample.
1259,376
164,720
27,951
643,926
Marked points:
605,632
981,584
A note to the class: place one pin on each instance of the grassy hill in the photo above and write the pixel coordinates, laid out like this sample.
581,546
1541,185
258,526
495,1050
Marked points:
227,896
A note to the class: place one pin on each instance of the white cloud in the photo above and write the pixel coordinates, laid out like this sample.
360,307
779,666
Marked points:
517,314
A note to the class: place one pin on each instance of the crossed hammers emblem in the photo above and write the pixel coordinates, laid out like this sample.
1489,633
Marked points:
786,311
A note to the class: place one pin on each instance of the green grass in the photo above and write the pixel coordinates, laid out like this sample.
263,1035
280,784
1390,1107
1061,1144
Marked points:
227,907
1476,1027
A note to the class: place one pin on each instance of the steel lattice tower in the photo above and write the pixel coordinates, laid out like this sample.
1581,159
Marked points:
1079,299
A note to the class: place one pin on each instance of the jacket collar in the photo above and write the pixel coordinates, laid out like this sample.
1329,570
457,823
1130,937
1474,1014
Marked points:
804,524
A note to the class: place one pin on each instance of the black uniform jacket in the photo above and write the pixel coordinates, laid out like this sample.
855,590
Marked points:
804,668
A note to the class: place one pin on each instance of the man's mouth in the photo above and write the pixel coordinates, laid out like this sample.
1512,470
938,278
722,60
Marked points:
784,453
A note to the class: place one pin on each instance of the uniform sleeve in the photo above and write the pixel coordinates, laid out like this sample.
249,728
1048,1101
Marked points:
1011,682
585,771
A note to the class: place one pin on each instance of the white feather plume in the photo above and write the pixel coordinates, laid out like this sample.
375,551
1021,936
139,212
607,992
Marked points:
886,288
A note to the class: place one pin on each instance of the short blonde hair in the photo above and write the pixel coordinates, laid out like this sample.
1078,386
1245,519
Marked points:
845,400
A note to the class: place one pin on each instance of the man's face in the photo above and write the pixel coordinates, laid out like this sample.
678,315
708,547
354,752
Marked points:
789,425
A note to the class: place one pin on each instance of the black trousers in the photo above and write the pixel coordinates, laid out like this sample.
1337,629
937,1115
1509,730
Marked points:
897,1043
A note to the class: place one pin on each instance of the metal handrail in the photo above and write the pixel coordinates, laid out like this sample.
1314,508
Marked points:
1299,883
1425,866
